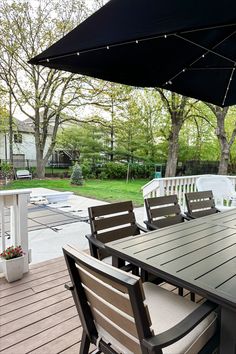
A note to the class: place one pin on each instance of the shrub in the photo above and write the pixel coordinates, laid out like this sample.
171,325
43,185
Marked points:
6,172
114,170
77,176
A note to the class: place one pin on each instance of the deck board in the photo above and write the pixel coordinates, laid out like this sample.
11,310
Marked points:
37,314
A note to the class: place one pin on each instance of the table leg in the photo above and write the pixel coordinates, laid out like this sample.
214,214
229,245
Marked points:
228,331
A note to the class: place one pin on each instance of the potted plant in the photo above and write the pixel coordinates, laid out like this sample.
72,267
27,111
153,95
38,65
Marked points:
13,263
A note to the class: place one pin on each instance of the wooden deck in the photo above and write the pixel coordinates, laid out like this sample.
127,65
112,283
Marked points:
37,314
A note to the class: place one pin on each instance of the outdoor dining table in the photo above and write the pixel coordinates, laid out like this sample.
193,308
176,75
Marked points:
199,255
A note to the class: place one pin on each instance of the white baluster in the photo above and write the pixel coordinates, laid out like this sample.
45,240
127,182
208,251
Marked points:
2,220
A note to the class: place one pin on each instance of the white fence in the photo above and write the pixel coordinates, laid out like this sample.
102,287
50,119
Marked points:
15,202
174,185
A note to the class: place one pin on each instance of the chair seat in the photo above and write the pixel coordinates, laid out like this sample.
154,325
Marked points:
167,309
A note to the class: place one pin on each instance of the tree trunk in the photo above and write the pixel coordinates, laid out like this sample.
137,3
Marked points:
40,163
10,129
40,169
173,150
222,138
112,132
224,161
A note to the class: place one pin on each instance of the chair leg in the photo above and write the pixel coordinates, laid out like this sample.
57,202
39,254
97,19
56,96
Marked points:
192,297
85,344
144,275
135,270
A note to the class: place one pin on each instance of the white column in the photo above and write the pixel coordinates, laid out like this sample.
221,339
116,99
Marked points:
17,201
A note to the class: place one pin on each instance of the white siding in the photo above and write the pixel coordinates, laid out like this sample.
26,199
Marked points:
27,147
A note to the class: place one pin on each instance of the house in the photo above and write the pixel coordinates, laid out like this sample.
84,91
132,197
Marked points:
24,152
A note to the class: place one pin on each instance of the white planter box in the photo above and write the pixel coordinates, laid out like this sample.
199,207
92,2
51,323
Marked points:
13,268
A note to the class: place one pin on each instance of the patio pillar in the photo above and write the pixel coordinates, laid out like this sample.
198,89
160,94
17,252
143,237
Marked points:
16,201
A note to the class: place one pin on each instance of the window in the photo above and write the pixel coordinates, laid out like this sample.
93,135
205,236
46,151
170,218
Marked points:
18,138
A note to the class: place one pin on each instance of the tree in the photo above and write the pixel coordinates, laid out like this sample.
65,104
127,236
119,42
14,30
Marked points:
138,129
197,137
113,100
226,139
40,93
77,176
83,140
178,108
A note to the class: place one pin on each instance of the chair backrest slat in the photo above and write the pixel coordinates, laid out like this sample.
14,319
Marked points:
165,211
117,234
200,204
111,312
102,210
207,203
126,340
168,221
160,201
105,223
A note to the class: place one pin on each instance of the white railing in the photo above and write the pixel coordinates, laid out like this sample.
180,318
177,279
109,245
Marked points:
174,185
14,202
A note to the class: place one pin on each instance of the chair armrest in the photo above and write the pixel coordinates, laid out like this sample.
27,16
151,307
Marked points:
189,216
151,226
141,228
177,332
186,217
95,242
69,286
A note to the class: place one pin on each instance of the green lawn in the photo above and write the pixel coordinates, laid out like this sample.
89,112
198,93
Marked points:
108,190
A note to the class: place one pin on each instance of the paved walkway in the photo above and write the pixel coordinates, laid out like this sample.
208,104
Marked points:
47,244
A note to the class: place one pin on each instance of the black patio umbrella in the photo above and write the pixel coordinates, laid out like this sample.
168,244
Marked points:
186,46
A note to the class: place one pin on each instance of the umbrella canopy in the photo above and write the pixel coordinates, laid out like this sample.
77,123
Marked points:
188,47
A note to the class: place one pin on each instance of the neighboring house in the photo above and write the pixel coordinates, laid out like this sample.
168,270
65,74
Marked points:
24,152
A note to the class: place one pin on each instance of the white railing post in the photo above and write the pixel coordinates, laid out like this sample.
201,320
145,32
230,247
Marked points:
16,201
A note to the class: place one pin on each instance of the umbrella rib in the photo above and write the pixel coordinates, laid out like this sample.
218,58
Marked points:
211,68
209,28
228,86
207,49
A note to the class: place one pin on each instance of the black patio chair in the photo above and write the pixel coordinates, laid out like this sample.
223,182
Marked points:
200,204
163,211
119,314
111,222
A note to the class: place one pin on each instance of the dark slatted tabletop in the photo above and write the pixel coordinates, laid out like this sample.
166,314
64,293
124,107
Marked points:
199,255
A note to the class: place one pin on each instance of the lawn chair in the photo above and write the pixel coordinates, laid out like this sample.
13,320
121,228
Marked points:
222,189
200,204
108,223
119,314
163,211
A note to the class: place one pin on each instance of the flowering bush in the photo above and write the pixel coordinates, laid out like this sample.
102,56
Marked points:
12,252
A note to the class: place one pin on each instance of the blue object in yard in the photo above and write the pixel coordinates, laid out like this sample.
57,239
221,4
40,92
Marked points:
158,170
